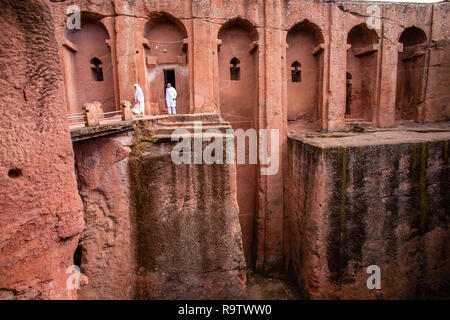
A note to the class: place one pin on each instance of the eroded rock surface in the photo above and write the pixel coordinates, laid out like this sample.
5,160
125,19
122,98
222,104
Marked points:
370,199
40,209
106,243
189,240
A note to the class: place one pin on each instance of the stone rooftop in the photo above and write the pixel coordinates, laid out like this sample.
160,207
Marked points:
408,133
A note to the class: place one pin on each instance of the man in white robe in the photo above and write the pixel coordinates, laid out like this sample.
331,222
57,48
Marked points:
139,99
171,99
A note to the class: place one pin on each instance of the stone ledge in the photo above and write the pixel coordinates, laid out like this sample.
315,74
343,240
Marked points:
158,127
84,133
408,134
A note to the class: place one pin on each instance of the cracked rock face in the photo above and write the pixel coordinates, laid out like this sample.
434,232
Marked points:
357,205
189,240
106,247
40,210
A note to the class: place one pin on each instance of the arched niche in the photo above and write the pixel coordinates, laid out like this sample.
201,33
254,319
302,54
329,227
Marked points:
88,66
361,73
304,59
239,106
166,61
410,72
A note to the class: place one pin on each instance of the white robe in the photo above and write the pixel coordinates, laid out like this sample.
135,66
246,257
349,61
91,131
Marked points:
171,95
139,99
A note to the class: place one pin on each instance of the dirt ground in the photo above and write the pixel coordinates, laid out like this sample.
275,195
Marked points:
276,287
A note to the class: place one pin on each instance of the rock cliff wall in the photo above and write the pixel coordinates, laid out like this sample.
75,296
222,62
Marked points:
356,204
40,209
189,240
106,247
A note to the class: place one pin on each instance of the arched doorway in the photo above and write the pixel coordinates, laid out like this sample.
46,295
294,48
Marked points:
410,70
88,67
166,61
238,83
304,58
361,73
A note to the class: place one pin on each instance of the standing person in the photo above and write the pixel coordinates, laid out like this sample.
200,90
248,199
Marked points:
139,99
171,98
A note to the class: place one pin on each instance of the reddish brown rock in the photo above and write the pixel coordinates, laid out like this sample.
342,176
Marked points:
236,38
189,240
394,76
437,99
144,41
106,249
40,209
369,199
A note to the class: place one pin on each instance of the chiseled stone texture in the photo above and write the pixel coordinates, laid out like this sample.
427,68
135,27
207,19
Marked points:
189,240
383,202
438,92
106,242
40,209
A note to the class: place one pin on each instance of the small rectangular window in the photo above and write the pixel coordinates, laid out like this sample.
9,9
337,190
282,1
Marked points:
296,76
235,73
97,71
296,73
235,70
